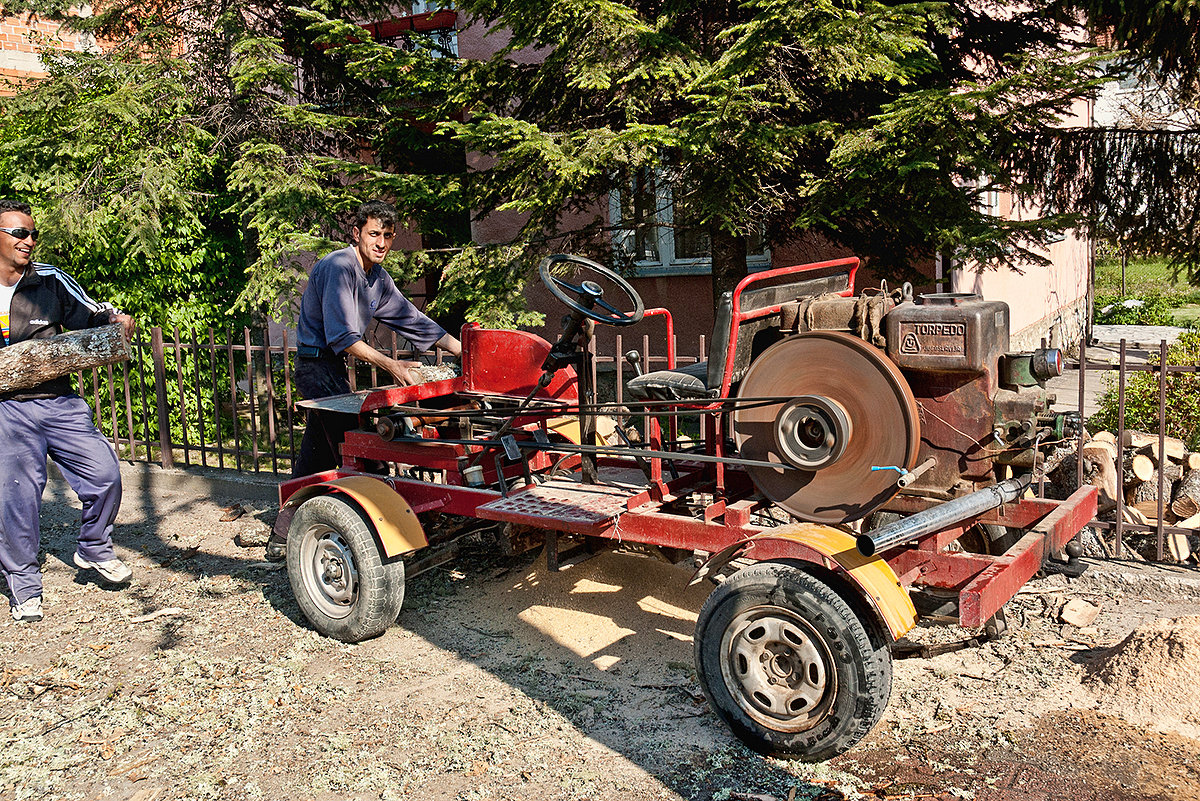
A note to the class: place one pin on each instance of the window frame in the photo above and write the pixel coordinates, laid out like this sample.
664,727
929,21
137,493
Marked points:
624,237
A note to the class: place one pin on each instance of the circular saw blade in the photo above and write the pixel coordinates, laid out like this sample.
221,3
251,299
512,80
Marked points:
879,425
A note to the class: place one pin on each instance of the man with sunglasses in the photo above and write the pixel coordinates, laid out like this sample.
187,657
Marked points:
37,301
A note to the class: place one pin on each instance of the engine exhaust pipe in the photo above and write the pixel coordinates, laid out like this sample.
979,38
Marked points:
941,516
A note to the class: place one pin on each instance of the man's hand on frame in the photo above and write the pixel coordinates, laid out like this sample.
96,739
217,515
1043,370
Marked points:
405,373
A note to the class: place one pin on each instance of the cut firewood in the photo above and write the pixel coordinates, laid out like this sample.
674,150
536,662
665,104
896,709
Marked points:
1132,515
1078,612
1179,546
1192,522
1102,456
1144,495
34,361
1105,436
1191,461
1149,508
1172,447
1186,500
1139,469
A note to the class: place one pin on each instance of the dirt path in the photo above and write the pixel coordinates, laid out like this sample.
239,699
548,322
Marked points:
504,681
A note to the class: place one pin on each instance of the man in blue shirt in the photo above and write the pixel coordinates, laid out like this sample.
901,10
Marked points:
346,291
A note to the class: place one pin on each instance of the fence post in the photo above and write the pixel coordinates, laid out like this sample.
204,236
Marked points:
160,392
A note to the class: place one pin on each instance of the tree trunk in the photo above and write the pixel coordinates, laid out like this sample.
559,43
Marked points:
35,361
728,262
1144,496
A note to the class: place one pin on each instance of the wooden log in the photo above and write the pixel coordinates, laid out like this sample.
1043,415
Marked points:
1148,443
1105,436
1102,457
27,364
1138,469
1149,508
1191,461
1179,547
1186,501
1131,515
1144,495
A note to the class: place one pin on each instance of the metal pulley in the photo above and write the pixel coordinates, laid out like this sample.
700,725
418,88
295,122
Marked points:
850,409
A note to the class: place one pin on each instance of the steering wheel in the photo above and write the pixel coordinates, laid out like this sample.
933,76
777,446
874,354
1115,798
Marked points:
588,294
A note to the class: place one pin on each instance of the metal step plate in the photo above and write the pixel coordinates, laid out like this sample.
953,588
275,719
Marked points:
562,506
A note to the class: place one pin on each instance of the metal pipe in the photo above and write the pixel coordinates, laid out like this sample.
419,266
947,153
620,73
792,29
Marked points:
941,516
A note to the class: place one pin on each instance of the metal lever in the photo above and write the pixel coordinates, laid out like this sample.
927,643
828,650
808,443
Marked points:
635,361
907,477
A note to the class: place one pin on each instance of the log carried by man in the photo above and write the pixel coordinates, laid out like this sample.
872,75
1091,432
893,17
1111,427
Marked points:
36,361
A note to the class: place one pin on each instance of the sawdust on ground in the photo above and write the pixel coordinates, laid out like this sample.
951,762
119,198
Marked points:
1149,678
503,680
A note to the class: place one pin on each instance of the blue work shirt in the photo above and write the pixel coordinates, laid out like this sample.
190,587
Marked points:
342,298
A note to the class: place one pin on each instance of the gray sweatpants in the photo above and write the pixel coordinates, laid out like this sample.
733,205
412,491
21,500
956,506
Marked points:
61,428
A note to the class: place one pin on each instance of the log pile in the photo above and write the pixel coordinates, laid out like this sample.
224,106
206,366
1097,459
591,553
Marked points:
35,361
1137,478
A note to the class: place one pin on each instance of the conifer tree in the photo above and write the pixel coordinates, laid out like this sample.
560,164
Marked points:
873,125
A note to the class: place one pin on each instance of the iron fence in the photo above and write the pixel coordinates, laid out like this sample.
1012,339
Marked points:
226,400
1119,375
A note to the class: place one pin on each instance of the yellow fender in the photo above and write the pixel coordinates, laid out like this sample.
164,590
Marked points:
834,550
396,525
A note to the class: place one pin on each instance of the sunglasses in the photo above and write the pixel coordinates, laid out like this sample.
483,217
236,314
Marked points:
21,233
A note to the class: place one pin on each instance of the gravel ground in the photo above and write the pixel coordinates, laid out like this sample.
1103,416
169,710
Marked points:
504,681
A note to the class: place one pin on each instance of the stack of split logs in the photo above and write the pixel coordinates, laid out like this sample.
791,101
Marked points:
1138,479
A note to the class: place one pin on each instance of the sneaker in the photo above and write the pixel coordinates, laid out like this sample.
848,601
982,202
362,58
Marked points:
113,571
276,549
28,612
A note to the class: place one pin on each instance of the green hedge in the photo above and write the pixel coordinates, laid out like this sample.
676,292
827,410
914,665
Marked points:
1141,397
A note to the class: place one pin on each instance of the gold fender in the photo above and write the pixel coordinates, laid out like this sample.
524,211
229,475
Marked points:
396,525
835,550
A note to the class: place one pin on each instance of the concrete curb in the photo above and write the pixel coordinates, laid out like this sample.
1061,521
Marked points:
139,477
1143,580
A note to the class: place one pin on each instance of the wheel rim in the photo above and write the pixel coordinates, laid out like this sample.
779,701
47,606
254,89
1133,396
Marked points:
328,571
778,668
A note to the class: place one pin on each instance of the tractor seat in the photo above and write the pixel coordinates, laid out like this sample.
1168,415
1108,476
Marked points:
682,383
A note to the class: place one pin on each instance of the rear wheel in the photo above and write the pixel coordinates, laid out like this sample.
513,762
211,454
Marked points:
788,664
338,575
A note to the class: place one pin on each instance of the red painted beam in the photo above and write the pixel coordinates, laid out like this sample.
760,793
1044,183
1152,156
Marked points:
991,589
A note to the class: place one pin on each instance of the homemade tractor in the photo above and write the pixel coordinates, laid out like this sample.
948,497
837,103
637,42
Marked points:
840,451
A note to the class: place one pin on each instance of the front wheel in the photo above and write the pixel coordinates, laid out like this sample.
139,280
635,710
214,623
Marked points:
338,575
788,664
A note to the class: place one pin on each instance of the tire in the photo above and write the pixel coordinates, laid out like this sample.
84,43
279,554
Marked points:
337,572
990,538
788,664
986,538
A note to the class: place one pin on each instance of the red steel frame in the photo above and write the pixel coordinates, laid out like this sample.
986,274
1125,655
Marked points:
508,364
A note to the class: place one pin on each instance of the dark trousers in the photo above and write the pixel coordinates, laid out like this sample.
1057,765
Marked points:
61,428
324,432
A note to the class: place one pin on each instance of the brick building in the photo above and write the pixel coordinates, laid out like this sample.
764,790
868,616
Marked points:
21,37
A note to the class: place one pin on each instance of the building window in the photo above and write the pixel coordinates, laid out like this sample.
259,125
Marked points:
654,226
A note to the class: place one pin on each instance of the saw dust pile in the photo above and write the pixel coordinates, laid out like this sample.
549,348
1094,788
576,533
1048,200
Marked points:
1149,677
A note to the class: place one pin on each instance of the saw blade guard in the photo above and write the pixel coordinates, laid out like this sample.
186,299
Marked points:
848,409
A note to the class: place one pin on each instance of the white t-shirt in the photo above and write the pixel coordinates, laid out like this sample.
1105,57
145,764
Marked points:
6,295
